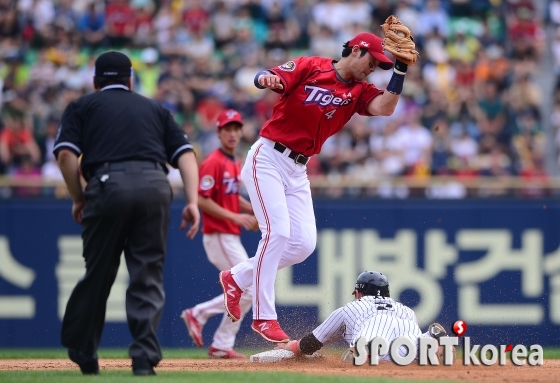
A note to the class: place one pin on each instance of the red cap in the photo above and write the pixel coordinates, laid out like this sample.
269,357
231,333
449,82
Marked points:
374,45
228,116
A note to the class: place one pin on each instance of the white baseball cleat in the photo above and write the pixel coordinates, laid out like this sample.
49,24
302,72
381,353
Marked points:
437,331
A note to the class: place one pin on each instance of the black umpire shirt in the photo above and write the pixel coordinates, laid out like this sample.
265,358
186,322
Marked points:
116,125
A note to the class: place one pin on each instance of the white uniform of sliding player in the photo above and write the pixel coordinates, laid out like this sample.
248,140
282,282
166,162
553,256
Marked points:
371,317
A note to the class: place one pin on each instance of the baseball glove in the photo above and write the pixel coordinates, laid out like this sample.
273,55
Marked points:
399,41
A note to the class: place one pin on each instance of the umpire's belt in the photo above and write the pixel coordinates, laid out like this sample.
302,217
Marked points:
124,166
297,157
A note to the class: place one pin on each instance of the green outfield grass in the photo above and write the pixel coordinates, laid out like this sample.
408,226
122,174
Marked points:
104,353
552,353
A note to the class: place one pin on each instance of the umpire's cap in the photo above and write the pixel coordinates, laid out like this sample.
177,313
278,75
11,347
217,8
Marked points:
372,283
374,45
113,64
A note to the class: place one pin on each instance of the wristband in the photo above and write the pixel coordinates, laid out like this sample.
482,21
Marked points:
256,81
400,67
295,347
397,80
396,84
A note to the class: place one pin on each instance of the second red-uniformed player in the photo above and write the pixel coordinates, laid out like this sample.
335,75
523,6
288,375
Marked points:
318,96
224,211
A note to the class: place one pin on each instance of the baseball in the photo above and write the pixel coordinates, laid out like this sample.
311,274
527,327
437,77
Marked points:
401,34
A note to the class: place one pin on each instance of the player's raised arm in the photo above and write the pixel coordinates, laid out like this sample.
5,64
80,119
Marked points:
400,43
385,104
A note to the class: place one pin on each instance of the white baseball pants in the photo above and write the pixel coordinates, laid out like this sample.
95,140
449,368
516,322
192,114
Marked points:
224,251
281,199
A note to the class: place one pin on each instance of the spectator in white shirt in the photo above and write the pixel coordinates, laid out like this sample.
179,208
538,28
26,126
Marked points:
433,17
464,146
414,140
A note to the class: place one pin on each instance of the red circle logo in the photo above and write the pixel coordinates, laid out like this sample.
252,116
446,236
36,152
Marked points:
460,327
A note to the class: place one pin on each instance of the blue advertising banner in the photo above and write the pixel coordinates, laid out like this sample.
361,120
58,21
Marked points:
493,263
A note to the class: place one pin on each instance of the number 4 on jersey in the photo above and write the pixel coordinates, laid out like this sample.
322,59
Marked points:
330,114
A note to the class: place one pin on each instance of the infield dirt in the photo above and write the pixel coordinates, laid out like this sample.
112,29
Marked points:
329,365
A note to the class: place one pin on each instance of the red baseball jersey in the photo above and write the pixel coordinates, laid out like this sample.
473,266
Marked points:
315,104
219,180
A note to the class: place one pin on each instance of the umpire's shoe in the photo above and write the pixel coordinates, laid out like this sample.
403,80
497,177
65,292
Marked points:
437,331
142,366
89,365
270,330
232,295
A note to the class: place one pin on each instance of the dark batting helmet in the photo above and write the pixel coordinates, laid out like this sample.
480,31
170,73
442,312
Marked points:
372,283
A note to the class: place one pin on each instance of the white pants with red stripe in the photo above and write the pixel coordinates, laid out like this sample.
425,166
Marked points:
224,251
281,199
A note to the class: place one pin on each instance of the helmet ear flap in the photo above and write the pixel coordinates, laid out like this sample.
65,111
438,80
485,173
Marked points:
384,292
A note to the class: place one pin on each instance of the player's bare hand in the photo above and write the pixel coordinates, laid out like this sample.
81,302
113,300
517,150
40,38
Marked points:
77,211
247,221
191,216
271,81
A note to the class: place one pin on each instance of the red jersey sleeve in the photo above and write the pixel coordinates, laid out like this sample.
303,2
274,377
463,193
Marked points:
209,179
368,94
294,72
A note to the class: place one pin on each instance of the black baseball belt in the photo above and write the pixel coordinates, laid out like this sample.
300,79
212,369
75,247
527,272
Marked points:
297,157
122,166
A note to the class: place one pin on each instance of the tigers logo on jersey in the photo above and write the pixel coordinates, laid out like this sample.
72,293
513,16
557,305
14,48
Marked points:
324,97
288,67
206,182
231,185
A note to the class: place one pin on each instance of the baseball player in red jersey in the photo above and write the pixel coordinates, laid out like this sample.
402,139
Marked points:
318,96
223,212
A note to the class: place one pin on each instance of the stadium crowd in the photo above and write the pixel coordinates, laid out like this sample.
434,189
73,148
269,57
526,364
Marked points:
470,107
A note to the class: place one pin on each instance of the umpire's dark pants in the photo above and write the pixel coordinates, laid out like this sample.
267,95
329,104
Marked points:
125,210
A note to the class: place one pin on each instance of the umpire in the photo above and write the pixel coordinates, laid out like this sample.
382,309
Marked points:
125,140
